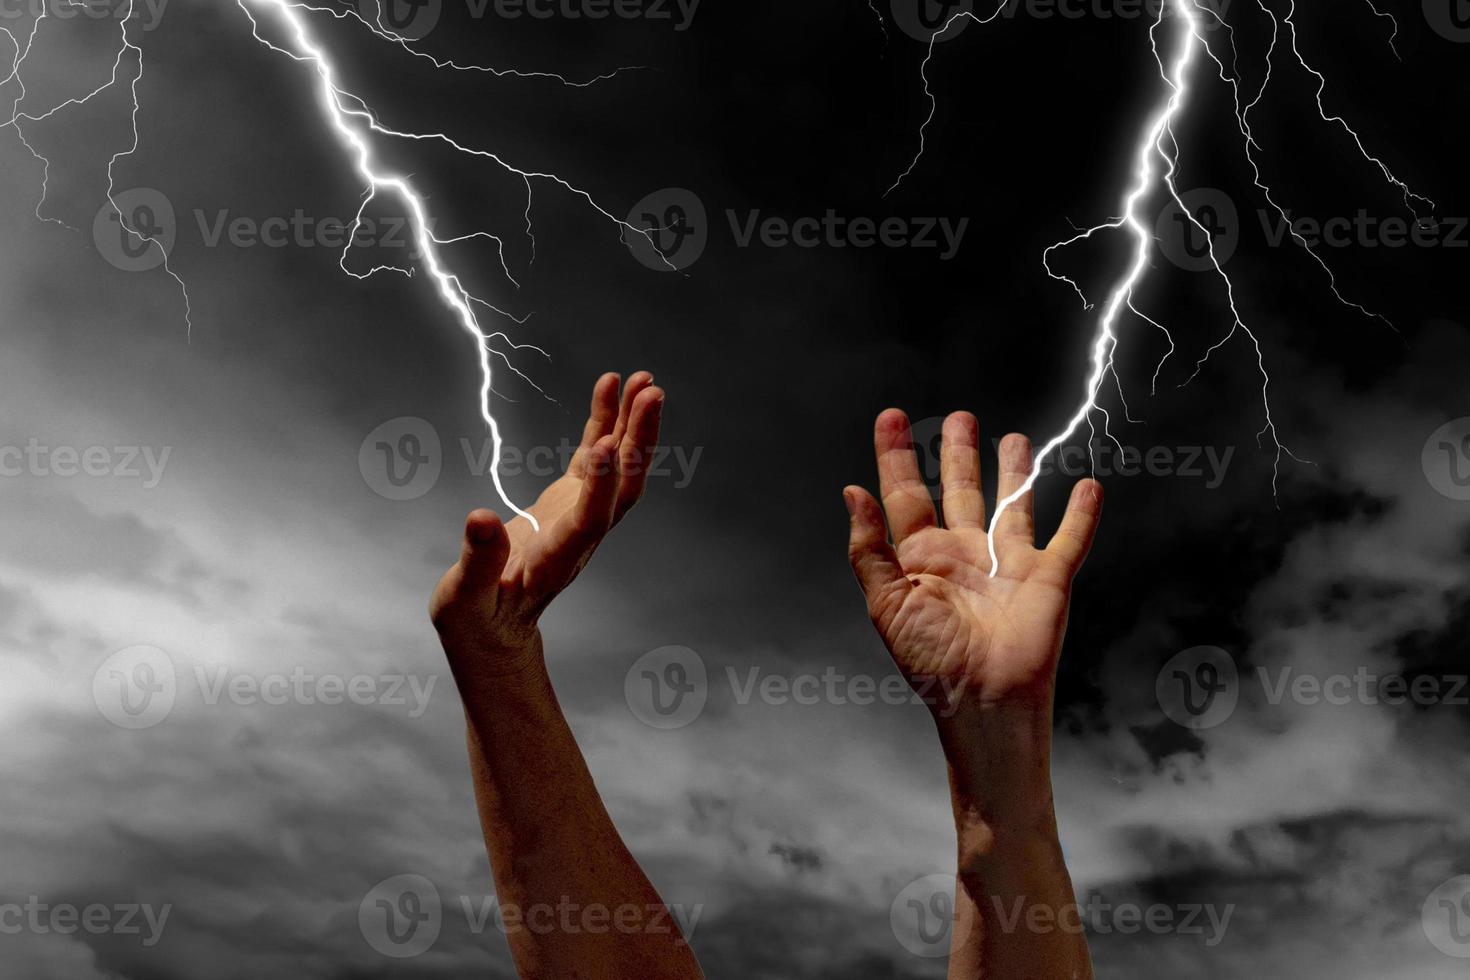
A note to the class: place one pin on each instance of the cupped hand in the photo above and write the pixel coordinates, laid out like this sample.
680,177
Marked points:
930,593
488,604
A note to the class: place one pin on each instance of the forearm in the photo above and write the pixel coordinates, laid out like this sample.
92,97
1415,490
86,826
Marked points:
574,901
1016,912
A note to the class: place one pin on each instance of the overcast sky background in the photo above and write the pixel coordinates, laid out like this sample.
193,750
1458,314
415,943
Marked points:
265,547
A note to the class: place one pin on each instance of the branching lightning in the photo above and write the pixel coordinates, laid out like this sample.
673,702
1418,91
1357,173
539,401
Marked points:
356,126
1156,165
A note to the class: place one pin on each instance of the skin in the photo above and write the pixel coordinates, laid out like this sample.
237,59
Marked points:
575,902
994,642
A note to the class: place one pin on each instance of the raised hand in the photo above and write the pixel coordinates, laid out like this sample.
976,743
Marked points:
489,602
993,643
930,593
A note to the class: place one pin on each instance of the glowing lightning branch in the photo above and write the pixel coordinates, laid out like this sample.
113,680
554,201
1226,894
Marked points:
356,125
1106,340
1156,165
354,122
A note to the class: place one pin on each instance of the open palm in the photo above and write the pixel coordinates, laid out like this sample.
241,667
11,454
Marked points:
931,594
507,574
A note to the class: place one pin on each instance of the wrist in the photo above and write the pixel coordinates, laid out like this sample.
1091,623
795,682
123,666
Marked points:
999,757
494,666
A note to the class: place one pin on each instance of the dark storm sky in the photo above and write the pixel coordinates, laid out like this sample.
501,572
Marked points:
263,549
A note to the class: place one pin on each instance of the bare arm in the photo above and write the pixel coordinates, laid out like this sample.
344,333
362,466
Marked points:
994,643
574,901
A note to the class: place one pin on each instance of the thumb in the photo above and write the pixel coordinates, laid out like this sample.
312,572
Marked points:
485,550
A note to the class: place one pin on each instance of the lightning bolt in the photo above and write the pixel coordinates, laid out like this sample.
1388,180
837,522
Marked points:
1155,169
357,127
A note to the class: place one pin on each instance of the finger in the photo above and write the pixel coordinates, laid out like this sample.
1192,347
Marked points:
564,547
959,472
636,384
593,513
1015,469
601,417
872,557
486,548
636,451
905,496
1073,540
